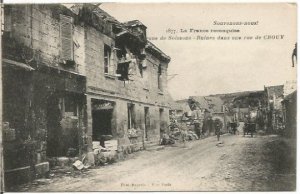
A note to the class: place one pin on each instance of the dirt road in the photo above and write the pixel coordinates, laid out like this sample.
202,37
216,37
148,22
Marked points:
262,163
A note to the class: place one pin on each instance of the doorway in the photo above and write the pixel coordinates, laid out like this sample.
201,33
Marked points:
102,114
62,124
161,111
54,129
147,122
131,116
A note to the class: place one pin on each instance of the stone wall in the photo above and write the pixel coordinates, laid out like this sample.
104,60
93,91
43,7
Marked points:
33,39
33,36
38,27
142,91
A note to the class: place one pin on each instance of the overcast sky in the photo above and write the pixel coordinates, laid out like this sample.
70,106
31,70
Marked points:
219,66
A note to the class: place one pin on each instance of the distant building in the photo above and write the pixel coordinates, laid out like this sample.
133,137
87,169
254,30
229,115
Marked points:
184,107
289,87
274,96
207,109
289,108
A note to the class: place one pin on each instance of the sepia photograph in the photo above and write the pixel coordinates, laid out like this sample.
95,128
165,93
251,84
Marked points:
111,96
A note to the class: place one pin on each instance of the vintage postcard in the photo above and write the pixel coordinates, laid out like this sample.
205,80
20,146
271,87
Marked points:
148,97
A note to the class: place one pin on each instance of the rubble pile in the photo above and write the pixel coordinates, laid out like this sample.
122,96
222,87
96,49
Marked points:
191,135
105,155
132,132
178,132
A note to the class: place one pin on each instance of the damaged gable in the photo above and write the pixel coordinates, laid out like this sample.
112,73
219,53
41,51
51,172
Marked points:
198,102
92,15
157,52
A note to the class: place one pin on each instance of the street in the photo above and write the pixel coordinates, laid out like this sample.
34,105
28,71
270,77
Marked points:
237,164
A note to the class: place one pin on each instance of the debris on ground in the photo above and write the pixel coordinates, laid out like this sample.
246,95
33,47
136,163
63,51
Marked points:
192,135
220,143
104,155
78,165
42,181
167,139
178,135
208,168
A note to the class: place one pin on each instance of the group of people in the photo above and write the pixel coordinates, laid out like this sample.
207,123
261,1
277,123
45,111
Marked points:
201,129
209,125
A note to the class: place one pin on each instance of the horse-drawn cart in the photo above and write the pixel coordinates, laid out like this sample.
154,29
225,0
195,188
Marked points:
249,127
250,123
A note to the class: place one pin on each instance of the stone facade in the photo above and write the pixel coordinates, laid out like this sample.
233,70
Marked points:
43,92
273,97
70,78
143,90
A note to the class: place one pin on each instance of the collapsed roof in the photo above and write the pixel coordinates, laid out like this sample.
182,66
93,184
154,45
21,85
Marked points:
93,15
209,103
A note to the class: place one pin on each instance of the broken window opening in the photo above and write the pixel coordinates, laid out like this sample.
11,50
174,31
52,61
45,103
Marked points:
159,77
121,52
141,68
131,116
129,62
133,66
122,71
107,53
70,106
124,59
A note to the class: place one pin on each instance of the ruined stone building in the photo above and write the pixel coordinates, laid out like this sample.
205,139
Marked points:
289,87
273,97
206,109
72,76
228,108
289,109
182,107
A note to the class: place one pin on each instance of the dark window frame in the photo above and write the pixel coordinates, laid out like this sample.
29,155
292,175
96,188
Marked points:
131,116
107,56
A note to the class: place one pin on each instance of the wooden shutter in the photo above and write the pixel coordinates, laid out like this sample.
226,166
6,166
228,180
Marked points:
66,36
6,15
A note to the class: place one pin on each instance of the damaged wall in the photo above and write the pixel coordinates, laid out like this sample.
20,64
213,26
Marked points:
33,38
37,27
36,35
142,89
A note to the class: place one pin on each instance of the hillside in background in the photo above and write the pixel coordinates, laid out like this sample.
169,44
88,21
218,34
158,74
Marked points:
241,99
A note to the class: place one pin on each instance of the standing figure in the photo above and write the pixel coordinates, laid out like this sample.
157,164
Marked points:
218,126
234,127
294,55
